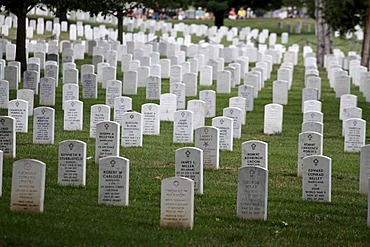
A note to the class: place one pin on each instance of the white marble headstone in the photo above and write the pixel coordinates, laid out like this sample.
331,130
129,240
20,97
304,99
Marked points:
107,140
189,164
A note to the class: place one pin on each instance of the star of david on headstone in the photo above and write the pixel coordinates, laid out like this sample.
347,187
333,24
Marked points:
132,116
71,146
112,162
187,153
316,161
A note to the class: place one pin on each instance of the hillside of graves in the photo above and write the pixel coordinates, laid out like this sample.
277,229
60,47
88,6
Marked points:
94,133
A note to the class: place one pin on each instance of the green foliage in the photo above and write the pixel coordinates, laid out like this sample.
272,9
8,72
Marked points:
345,15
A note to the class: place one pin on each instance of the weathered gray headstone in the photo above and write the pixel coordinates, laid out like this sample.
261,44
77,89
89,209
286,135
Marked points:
4,94
207,139
189,164
153,86
309,143
113,90
177,203
43,125
364,169
114,181
47,91
132,129
316,181
28,186
183,126
252,193
8,136
72,163
354,134
107,140
225,125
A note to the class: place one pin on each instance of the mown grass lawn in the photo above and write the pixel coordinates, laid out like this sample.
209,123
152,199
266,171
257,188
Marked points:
72,216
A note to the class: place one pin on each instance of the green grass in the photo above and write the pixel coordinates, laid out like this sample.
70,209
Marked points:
72,216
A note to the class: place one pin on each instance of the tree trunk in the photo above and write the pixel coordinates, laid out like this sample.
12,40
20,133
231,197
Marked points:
219,18
62,14
21,39
328,39
365,53
120,26
320,31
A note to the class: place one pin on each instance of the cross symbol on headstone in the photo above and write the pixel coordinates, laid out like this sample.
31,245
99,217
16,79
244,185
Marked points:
354,123
187,153
71,146
231,111
112,162
73,104
43,111
182,114
106,126
2,121
99,109
206,131
17,104
251,173
316,161
253,146
309,137
222,121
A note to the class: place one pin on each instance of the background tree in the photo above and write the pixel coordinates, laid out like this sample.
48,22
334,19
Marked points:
20,9
345,15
